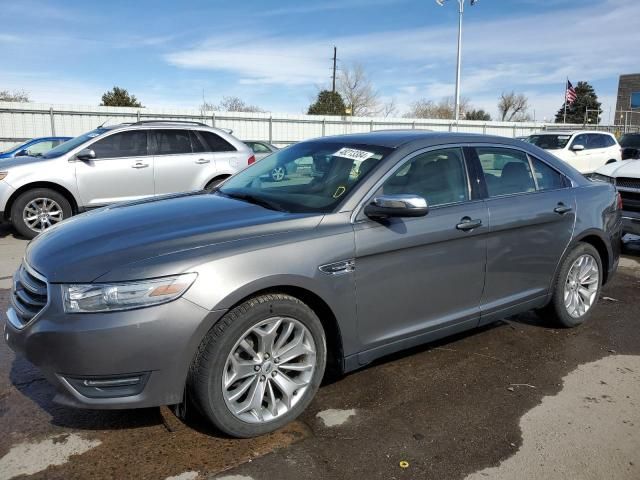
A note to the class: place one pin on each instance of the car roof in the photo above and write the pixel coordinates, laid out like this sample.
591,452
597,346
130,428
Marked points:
568,132
397,138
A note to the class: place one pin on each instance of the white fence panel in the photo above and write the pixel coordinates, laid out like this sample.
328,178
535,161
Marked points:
21,121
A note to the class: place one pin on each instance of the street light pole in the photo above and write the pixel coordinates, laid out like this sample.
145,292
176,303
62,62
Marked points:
459,62
459,66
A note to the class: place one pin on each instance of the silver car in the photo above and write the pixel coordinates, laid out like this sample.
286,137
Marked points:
113,164
237,300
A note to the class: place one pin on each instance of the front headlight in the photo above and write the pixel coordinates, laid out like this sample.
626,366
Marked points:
109,297
598,177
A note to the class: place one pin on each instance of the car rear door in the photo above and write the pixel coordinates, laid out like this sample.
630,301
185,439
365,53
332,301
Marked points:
122,169
532,212
228,159
418,278
178,165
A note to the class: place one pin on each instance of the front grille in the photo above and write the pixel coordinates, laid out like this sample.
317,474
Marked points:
630,201
625,182
30,294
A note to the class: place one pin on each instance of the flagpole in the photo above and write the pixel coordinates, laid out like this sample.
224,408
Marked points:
566,87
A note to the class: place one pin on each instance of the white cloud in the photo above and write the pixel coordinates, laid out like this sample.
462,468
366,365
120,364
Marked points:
529,53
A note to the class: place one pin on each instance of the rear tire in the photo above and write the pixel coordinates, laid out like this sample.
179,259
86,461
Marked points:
34,211
611,161
213,184
576,288
253,374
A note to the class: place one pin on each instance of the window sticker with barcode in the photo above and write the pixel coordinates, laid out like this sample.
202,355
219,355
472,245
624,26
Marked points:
353,154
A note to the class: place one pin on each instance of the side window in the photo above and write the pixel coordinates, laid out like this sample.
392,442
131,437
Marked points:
608,140
596,141
216,143
438,176
259,148
197,145
505,171
40,147
171,142
546,177
581,140
124,144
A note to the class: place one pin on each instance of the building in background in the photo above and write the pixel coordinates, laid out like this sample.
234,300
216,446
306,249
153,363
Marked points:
628,104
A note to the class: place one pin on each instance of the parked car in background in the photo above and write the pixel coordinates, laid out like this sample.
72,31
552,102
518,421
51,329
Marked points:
236,300
34,147
262,150
630,143
113,164
626,177
584,150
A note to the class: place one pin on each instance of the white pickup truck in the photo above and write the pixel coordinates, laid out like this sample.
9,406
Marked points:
626,177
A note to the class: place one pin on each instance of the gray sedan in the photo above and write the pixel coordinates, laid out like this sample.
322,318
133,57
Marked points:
242,301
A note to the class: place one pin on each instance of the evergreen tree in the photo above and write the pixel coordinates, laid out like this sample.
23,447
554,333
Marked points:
586,103
327,103
119,97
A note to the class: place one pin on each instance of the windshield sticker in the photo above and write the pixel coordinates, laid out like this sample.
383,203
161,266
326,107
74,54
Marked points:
353,154
564,137
91,135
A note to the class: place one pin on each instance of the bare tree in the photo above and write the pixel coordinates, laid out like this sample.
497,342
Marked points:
230,104
357,91
14,96
444,109
389,108
513,107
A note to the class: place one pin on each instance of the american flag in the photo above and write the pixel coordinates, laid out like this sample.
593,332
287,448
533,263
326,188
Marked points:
571,95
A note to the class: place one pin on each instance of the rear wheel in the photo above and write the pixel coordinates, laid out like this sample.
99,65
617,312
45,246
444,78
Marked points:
259,366
278,174
37,210
213,184
611,161
576,288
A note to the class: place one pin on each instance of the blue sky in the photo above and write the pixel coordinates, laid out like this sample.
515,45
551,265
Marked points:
276,54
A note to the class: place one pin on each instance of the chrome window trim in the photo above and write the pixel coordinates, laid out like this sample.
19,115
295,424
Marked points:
369,195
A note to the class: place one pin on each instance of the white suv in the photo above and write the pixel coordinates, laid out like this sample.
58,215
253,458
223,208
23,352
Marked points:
113,164
586,151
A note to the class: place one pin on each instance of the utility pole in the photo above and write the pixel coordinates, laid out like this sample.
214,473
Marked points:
335,56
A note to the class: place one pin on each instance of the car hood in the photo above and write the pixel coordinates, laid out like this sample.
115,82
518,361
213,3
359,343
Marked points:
626,168
86,247
18,161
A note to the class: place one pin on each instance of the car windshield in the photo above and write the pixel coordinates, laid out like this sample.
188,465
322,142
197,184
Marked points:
550,142
15,146
308,177
630,140
69,145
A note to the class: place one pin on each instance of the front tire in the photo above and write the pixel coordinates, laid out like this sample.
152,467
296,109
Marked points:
576,288
260,366
36,210
278,174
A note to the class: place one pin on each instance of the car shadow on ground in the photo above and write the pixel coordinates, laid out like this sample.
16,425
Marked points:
28,381
7,230
631,245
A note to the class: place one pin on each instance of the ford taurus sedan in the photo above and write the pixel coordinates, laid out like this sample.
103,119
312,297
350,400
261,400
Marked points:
237,300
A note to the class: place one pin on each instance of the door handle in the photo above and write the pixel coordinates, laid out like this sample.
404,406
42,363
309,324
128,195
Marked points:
200,161
561,209
139,165
466,224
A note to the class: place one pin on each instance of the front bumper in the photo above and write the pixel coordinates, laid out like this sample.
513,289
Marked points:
631,222
156,343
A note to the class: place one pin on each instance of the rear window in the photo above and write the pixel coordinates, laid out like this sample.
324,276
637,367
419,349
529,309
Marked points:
550,142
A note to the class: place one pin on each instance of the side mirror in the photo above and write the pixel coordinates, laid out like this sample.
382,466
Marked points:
386,206
86,154
22,153
577,148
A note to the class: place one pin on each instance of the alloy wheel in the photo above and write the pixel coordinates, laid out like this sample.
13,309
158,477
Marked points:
269,369
277,174
42,213
581,286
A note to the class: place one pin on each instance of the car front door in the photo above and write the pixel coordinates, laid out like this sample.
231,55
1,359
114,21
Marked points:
121,170
580,159
532,212
421,278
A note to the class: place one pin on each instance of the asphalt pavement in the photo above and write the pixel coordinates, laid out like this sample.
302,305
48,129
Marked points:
516,399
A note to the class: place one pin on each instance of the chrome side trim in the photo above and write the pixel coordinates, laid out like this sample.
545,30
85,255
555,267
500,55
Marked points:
338,268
